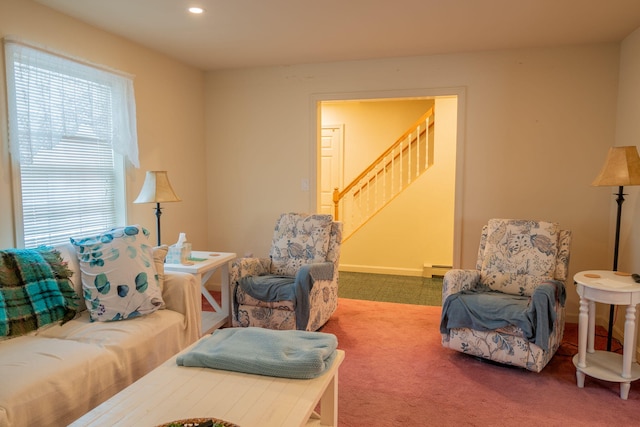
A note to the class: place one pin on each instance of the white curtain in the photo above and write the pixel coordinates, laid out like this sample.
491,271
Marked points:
52,97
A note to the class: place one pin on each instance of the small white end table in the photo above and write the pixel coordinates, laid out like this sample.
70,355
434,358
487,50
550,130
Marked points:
610,288
202,268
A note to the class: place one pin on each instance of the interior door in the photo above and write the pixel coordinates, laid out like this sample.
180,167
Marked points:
331,146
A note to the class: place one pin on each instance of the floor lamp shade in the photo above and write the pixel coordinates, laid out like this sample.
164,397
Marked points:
157,189
622,167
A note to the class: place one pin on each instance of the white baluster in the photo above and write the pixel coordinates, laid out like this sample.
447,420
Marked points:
418,152
401,169
384,180
393,171
409,159
375,190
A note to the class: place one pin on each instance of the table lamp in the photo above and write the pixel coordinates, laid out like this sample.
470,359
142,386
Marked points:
622,167
157,189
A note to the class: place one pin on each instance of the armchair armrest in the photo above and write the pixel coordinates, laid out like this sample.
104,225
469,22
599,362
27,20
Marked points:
181,293
321,271
457,280
552,290
243,267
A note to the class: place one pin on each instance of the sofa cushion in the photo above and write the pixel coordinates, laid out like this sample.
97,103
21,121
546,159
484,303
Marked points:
130,340
53,381
299,239
119,278
519,255
34,290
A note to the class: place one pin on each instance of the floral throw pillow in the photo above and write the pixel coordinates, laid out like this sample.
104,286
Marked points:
519,255
299,239
119,278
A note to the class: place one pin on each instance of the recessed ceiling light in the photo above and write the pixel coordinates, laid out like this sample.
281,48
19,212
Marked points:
196,10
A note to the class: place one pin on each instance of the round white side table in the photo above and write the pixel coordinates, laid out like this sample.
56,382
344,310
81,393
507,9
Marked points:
609,288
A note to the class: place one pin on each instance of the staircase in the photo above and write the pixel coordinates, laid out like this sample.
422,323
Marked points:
384,179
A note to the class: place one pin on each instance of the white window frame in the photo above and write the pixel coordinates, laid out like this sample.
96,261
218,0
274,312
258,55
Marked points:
120,202
123,146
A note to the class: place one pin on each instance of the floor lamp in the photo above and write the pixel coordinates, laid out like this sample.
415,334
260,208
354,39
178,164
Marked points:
157,189
621,168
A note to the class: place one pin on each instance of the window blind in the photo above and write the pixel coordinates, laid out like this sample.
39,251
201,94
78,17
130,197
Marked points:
70,126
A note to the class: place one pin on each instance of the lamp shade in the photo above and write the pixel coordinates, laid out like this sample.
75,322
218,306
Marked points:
621,168
156,189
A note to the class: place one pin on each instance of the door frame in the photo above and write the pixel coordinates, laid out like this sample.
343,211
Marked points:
316,129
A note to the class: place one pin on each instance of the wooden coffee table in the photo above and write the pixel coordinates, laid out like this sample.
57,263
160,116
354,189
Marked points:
171,392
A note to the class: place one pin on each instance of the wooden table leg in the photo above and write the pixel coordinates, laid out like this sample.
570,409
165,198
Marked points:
329,403
627,349
583,324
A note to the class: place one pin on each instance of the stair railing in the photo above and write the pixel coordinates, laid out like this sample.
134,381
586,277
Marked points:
387,176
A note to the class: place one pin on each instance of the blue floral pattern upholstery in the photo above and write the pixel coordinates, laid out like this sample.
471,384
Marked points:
519,255
307,234
119,277
508,345
299,239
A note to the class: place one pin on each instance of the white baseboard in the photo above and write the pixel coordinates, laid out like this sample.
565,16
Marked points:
429,270
381,270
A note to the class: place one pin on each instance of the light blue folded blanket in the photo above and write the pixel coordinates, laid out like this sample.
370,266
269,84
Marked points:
287,354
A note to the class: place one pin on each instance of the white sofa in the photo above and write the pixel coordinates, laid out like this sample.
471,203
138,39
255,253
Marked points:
54,375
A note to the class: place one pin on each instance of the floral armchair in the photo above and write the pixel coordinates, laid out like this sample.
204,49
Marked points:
297,286
520,262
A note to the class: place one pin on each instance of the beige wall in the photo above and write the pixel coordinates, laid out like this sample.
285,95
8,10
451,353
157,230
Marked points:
535,126
170,113
417,227
627,133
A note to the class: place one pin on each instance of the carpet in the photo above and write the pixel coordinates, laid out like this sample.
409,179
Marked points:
390,288
396,373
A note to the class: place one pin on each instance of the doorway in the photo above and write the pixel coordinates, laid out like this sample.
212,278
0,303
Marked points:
380,245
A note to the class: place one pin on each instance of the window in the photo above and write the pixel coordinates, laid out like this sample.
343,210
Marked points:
71,129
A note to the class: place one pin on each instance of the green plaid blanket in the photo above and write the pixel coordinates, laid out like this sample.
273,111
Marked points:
34,290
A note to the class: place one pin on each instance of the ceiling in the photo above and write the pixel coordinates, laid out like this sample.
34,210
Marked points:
251,33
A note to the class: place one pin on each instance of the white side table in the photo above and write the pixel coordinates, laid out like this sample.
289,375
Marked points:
609,288
202,271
